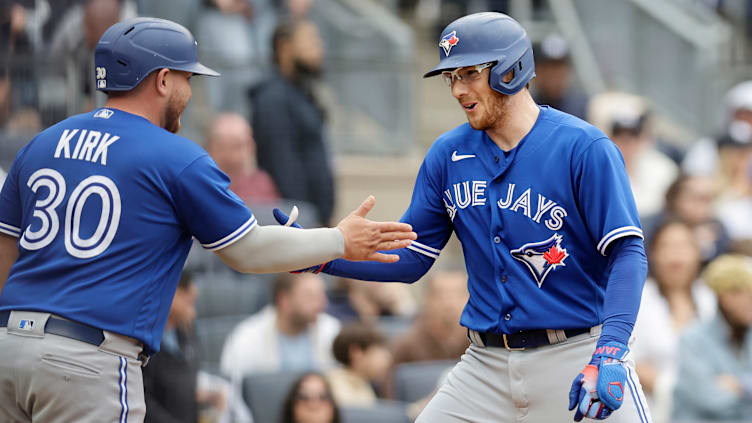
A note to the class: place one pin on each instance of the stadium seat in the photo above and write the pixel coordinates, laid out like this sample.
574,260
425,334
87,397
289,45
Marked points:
413,381
393,326
227,294
382,412
211,333
265,392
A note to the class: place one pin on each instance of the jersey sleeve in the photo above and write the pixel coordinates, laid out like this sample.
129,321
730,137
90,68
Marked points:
10,204
605,196
428,217
427,213
207,208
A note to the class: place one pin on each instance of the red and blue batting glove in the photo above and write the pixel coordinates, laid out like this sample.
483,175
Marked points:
599,388
286,220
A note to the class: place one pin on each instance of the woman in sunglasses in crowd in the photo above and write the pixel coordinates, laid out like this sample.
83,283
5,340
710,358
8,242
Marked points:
310,400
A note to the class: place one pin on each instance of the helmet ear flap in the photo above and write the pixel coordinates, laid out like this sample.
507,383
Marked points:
506,77
524,71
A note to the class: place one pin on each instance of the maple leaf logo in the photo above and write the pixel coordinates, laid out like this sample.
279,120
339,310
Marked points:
555,255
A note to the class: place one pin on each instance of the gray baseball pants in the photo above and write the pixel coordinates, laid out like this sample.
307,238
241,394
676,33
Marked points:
494,385
46,378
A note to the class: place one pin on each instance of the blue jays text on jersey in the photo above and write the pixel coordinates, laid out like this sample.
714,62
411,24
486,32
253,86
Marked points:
472,193
535,223
105,205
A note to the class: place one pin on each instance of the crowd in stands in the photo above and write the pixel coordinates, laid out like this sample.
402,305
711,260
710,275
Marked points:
692,206
336,346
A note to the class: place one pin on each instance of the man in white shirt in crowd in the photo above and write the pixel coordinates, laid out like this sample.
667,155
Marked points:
292,334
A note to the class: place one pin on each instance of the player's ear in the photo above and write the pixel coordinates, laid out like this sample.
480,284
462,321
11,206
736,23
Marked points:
508,77
160,81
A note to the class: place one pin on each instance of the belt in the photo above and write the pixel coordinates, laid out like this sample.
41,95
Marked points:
526,339
73,330
66,328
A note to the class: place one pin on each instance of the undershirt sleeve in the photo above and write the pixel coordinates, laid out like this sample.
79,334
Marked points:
628,268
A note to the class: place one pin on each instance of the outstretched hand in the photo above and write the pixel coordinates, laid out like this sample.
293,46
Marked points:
364,238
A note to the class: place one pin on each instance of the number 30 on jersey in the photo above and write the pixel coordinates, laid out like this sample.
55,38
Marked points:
45,211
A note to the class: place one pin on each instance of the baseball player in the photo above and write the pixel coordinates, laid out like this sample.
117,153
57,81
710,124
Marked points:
541,203
98,214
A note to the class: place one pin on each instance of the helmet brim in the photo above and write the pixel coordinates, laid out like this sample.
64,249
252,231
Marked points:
199,69
460,61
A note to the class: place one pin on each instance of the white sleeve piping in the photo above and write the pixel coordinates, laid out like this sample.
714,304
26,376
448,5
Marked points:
232,237
424,249
10,230
616,234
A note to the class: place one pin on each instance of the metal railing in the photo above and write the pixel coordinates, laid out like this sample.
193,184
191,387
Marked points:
673,52
370,76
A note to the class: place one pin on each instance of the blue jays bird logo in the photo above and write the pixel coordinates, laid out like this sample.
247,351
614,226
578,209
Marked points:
542,257
448,41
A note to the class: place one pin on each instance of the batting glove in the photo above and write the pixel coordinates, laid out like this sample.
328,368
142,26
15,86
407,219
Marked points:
599,388
286,220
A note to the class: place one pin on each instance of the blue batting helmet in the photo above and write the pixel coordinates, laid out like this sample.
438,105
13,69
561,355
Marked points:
130,50
488,37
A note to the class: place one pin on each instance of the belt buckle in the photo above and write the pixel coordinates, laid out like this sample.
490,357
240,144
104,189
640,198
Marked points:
506,344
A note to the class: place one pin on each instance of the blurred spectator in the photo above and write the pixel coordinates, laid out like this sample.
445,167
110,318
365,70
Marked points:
83,25
734,159
624,118
40,18
704,157
715,357
289,123
310,400
239,7
436,333
368,301
77,34
230,143
248,26
14,38
366,360
18,88
690,199
672,299
553,77
292,334
298,9
170,379
734,179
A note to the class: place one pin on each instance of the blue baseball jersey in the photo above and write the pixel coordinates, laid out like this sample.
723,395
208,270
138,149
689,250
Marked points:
535,223
105,205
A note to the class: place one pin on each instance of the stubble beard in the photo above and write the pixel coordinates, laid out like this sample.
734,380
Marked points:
496,112
172,114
